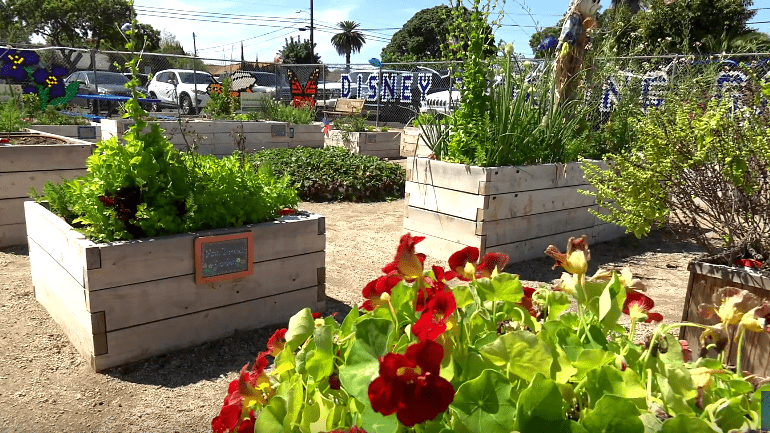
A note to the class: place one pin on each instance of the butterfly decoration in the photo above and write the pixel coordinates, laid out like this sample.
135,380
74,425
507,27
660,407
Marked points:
304,96
240,81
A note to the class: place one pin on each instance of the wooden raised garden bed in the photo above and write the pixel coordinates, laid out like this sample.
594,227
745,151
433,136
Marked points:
379,144
705,280
518,211
125,301
91,133
25,166
219,137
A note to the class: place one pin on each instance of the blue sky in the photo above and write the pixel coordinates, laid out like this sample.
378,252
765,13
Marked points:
262,25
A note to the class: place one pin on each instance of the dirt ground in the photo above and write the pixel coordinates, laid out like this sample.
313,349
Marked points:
46,387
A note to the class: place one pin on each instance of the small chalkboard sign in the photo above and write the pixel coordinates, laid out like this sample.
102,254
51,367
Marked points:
224,257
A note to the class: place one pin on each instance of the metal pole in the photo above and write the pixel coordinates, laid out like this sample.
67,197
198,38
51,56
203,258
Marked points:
312,47
195,77
379,92
97,110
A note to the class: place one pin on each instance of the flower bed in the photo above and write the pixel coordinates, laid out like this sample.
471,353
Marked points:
488,355
219,137
518,211
124,301
22,167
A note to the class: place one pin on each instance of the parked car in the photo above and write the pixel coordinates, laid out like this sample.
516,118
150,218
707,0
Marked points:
101,83
176,88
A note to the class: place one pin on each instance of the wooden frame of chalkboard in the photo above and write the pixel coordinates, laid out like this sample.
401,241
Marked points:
225,257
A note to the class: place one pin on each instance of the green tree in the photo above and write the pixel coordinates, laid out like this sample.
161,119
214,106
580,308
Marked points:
11,29
681,27
298,52
425,36
349,40
537,38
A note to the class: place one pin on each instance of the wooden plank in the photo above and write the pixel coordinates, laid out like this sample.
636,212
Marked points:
17,184
458,230
43,157
438,248
149,259
495,180
69,248
13,234
512,205
728,275
533,248
458,177
446,201
140,342
509,230
390,154
386,146
151,301
12,210
63,298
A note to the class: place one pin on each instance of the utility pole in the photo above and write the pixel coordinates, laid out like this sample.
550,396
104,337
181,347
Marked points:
312,47
195,78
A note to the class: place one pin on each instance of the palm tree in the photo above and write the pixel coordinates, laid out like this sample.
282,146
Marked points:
349,40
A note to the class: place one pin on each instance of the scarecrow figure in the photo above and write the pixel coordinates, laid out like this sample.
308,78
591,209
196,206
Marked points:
580,18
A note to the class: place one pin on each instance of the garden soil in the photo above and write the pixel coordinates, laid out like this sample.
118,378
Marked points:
45,386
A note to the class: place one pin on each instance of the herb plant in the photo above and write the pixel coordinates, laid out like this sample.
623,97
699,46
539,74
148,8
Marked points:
280,112
491,356
11,116
333,173
222,105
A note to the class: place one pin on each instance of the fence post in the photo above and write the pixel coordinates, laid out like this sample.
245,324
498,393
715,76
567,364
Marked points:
379,92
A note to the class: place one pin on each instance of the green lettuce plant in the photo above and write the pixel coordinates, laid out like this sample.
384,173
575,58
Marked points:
488,355
143,186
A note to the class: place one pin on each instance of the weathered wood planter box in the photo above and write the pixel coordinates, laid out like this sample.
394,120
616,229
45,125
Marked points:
22,167
219,137
705,280
518,211
379,144
412,142
91,133
125,301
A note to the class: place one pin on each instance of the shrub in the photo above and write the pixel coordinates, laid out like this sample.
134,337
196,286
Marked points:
334,173
702,165
222,105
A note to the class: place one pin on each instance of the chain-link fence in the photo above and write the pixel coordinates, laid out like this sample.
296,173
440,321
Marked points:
394,93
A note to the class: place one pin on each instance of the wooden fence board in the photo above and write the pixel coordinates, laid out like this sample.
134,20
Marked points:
63,297
172,256
37,158
510,230
451,202
513,205
12,210
69,248
459,230
17,184
13,234
139,342
161,299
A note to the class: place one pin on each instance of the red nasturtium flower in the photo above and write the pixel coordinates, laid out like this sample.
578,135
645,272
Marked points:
638,306
433,321
407,265
276,342
374,289
243,394
526,301
409,385
463,263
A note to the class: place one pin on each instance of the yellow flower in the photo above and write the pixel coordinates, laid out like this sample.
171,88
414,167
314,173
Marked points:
575,261
757,319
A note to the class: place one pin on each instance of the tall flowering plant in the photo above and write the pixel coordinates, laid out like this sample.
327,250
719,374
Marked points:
469,349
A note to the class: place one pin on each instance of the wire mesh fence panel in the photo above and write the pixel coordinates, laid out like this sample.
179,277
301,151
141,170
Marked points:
392,92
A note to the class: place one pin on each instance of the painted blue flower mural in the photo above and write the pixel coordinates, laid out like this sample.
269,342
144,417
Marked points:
19,66
14,62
